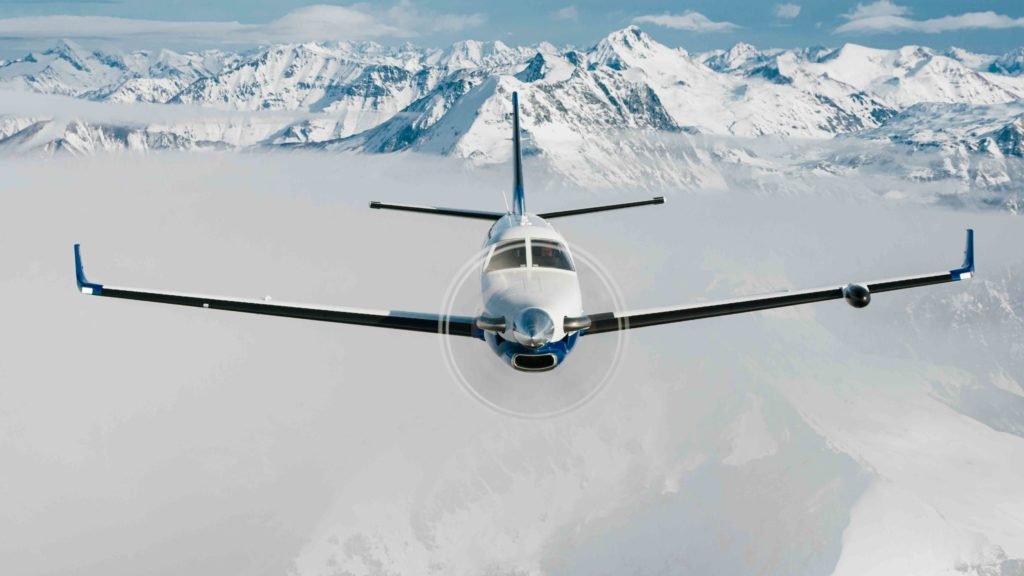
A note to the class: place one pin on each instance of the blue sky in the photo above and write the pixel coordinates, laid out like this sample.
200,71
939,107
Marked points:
984,26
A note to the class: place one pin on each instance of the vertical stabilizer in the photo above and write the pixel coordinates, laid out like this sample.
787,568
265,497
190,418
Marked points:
518,196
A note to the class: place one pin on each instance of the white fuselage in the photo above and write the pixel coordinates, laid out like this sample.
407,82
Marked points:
528,273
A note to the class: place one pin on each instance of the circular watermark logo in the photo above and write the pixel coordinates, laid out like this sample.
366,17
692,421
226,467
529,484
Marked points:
581,376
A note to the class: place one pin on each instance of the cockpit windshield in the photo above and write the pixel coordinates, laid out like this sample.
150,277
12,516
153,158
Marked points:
543,254
549,254
508,255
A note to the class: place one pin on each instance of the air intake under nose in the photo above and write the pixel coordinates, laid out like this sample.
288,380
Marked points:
534,362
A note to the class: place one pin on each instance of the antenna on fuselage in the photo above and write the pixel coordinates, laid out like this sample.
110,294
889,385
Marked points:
518,196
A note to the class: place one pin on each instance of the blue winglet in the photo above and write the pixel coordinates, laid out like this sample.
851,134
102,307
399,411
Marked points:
84,286
966,270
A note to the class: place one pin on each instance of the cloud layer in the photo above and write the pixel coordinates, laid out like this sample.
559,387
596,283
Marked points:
316,22
885,17
690,21
208,442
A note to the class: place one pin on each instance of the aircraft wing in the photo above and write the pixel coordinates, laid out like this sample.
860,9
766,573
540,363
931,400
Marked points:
858,295
436,323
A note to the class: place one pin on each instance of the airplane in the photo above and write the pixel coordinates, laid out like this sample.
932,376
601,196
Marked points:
533,311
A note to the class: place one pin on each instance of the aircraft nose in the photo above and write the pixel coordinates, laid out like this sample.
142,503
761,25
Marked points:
533,328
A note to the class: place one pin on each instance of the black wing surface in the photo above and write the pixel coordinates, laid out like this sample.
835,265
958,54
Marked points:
436,323
858,294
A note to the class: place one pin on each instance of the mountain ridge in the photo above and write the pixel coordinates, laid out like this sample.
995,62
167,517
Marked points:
368,98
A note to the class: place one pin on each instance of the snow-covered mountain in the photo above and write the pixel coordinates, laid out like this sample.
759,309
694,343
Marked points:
1010,63
142,76
627,110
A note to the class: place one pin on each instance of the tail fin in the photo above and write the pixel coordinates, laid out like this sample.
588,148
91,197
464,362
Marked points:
518,196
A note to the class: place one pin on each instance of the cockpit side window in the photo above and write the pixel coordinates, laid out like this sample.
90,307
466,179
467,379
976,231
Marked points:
508,255
550,254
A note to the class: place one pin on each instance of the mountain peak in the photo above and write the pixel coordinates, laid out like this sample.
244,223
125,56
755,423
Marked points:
474,53
972,60
959,54
66,46
912,54
70,52
534,69
852,50
1011,63
742,48
631,37
733,58
620,48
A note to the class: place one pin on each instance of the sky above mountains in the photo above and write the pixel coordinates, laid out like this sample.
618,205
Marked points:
993,26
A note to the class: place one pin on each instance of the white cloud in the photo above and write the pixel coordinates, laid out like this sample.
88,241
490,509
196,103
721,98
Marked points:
876,9
320,22
406,16
61,26
316,22
884,16
787,11
567,13
689,20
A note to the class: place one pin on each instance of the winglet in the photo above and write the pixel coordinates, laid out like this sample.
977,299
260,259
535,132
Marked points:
84,286
966,270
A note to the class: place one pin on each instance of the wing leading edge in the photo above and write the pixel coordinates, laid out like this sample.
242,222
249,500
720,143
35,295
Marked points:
439,324
857,294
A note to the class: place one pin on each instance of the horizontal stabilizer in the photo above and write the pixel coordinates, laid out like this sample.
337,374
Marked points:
578,211
458,212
